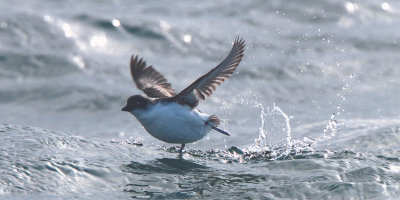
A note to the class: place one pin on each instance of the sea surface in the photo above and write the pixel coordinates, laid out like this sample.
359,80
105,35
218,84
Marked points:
313,109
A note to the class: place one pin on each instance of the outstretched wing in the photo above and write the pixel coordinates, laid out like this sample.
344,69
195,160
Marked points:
206,84
147,79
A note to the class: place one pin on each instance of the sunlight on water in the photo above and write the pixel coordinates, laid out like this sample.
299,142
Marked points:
74,32
116,22
386,7
351,7
165,27
48,18
78,60
98,40
187,38
67,30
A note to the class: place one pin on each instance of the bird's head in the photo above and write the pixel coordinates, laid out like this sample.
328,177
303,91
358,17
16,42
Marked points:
136,102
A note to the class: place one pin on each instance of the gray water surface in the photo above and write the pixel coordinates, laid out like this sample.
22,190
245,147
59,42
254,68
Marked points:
313,110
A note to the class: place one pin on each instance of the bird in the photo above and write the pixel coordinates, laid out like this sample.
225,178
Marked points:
172,117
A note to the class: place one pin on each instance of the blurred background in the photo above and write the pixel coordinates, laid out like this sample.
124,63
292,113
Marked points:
313,70
64,65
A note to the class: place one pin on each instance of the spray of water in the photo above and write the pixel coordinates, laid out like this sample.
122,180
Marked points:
280,122
274,133
332,126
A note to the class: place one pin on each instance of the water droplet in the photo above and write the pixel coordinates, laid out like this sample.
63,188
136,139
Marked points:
48,18
116,22
165,26
351,7
98,41
79,62
67,30
187,38
385,6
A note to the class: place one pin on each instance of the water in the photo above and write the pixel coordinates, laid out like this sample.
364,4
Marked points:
313,110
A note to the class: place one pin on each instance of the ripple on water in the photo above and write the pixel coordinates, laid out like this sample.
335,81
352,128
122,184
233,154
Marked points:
34,160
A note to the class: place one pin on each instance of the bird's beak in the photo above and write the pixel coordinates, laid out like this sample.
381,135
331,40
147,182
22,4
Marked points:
125,108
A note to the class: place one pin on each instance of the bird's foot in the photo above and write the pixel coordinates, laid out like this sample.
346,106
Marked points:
181,149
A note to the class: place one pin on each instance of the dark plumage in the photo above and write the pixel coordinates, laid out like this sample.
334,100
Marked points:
205,85
154,85
147,79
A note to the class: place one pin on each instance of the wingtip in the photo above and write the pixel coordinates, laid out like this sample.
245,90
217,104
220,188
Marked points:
147,79
134,60
239,40
131,60
240,45
134,57
137,62
205,85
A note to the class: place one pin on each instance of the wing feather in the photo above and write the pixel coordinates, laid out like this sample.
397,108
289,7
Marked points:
147,79
205,85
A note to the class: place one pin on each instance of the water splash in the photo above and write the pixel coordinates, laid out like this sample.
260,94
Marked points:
274,139
277,125
331,127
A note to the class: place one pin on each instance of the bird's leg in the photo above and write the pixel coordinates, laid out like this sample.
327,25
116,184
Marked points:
181,149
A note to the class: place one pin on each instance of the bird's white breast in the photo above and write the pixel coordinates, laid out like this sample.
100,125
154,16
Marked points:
174,123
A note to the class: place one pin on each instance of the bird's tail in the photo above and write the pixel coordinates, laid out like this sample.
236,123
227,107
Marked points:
221,131
213,121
